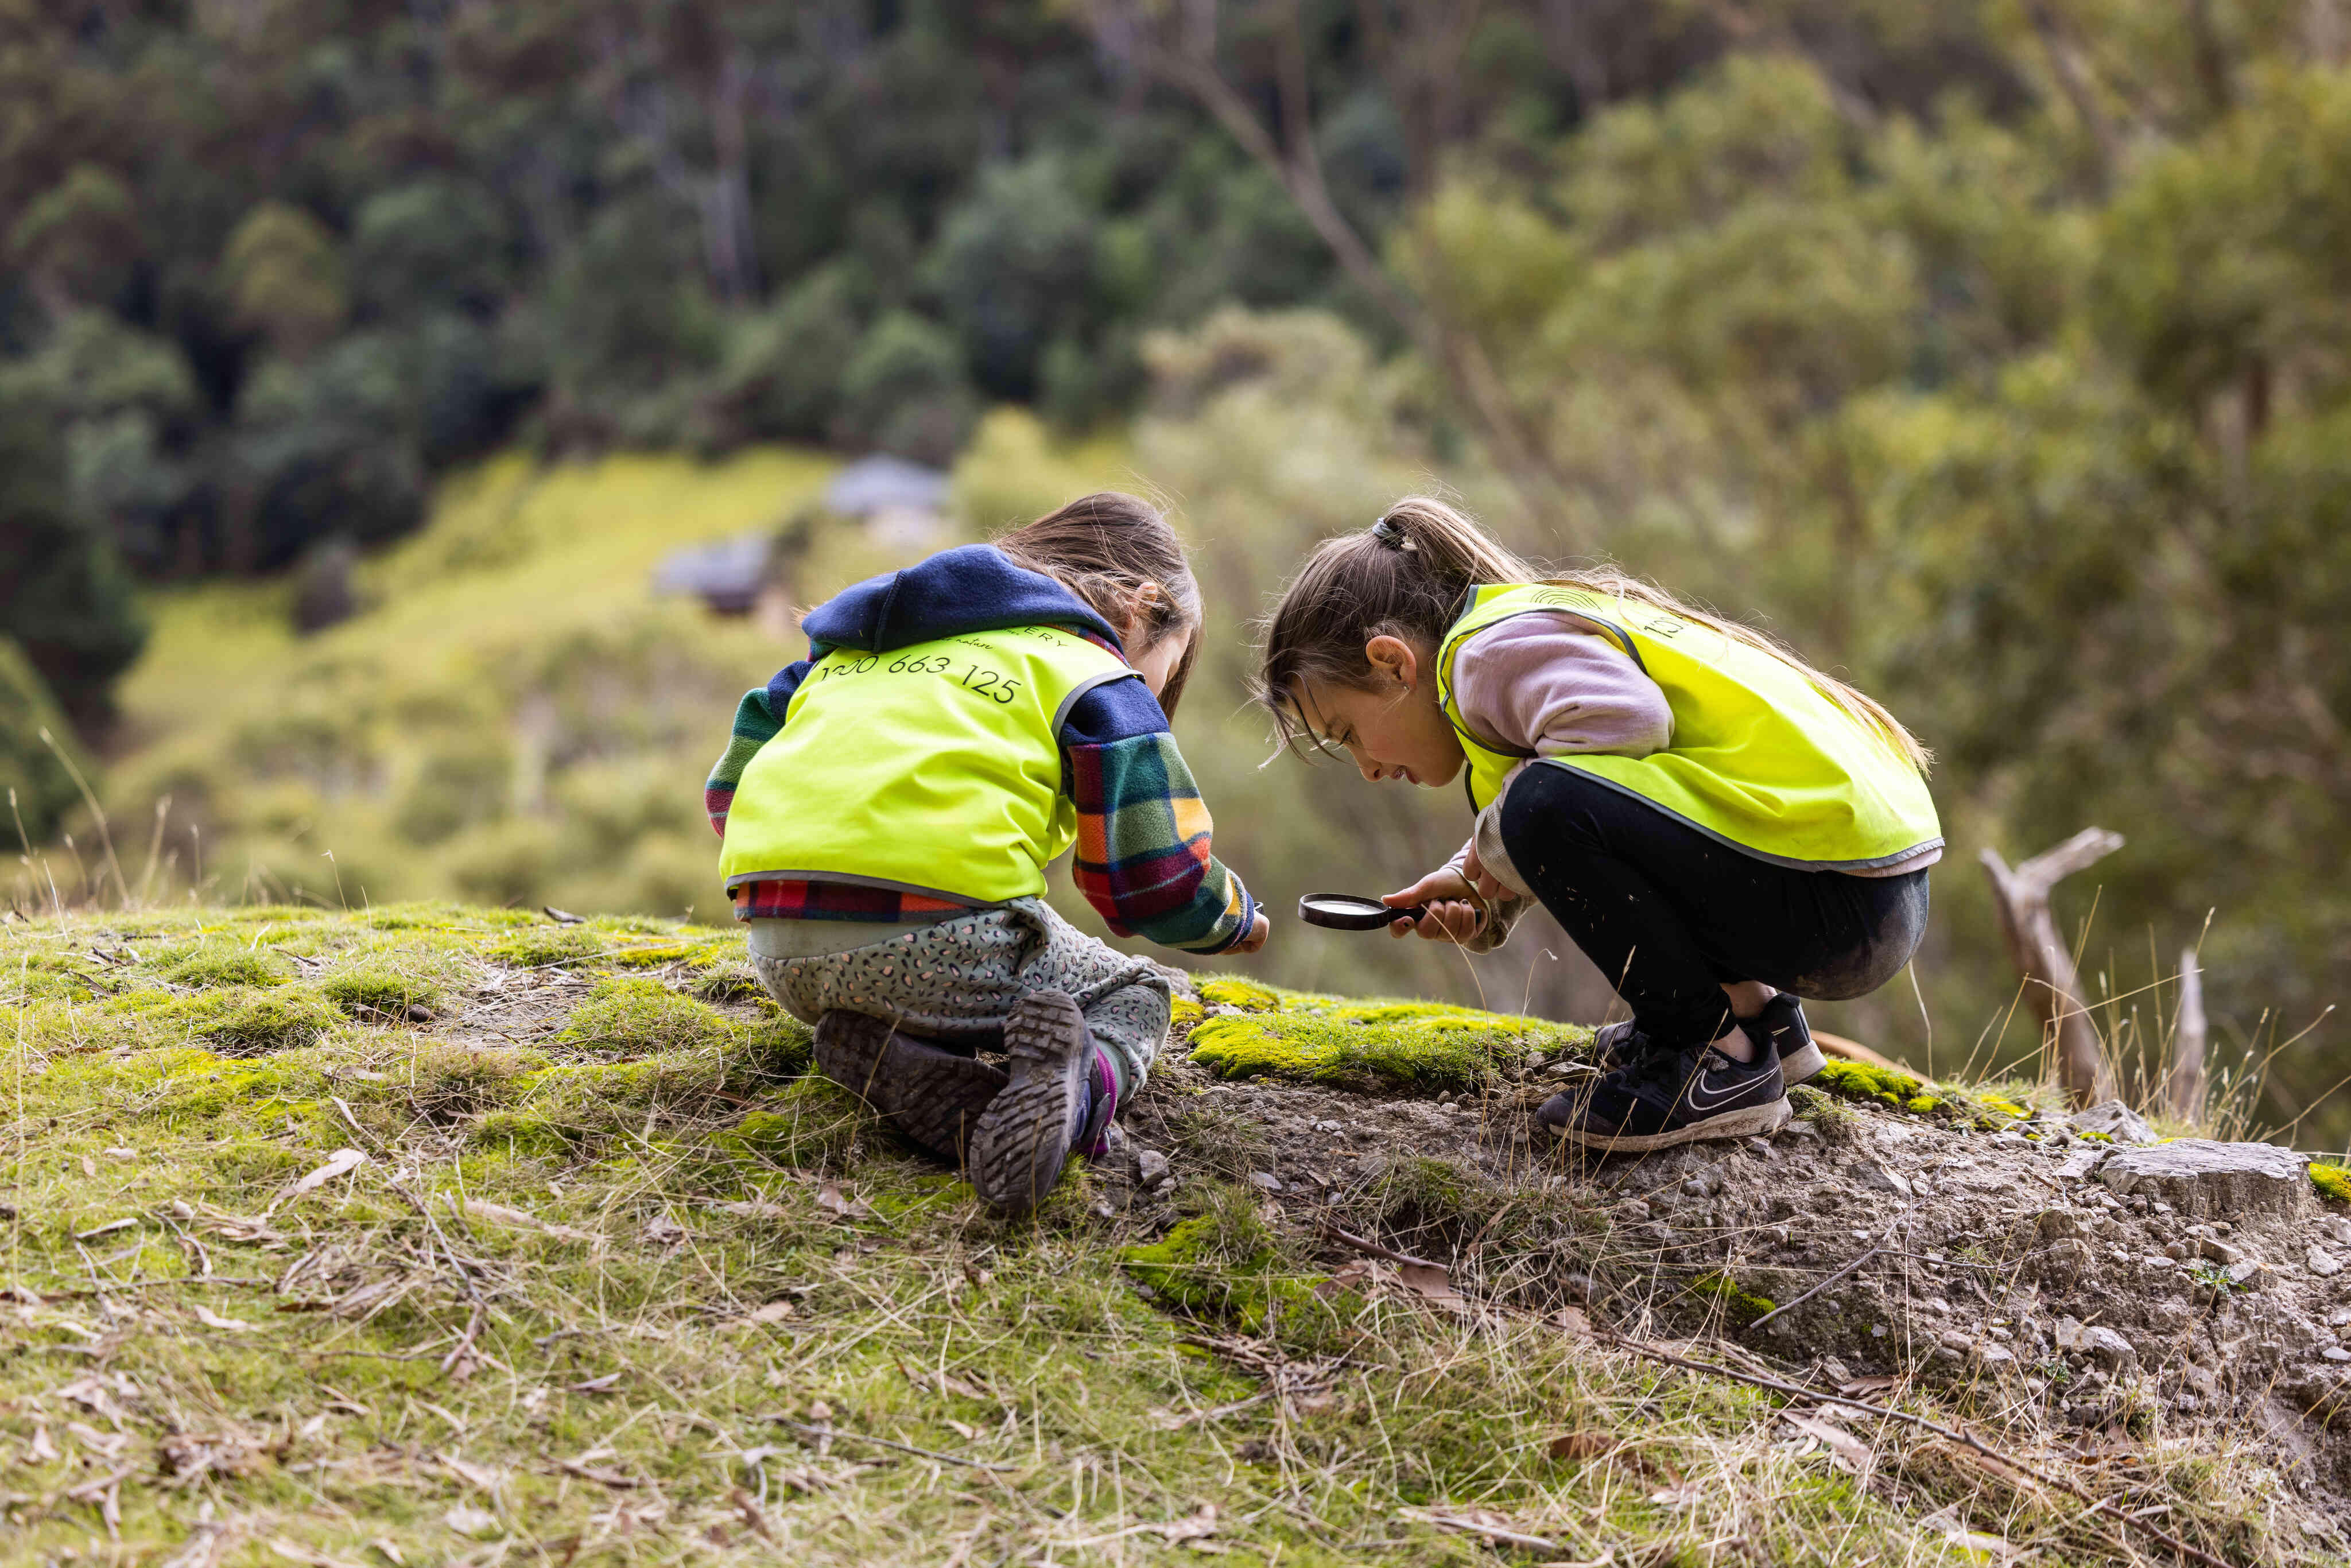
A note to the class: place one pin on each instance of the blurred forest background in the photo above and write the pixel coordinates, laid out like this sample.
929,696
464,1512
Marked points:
1996,352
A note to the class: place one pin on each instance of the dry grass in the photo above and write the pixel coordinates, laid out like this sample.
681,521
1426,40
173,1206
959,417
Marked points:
611,1282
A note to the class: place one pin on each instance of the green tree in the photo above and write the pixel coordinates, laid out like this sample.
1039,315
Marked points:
64,600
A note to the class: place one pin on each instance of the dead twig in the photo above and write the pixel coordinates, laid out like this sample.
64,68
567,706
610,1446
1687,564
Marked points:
1364,1244
1816,1289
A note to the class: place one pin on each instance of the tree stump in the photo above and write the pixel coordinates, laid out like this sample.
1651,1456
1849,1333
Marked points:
2052,985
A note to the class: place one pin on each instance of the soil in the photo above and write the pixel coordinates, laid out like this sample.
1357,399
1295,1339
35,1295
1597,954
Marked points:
2007,1260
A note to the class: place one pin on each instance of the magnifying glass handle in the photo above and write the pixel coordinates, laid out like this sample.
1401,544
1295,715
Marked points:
1409,912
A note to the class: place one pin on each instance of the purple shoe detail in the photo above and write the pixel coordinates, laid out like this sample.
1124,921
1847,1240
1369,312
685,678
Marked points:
1094,1129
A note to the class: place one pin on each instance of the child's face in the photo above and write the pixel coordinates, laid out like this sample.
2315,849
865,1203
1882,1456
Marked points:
1396,730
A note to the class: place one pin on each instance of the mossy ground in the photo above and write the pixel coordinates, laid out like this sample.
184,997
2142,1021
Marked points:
1261,1031
616,1281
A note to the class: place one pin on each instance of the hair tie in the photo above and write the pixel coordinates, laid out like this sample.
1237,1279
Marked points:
1388,534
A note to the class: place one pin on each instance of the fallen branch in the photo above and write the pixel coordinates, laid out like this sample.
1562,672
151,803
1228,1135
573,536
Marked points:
1959,1434
1365,1244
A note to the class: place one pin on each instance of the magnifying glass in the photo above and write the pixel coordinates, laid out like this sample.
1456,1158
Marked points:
1349,912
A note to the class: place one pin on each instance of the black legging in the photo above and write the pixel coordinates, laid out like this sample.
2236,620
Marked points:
1671,915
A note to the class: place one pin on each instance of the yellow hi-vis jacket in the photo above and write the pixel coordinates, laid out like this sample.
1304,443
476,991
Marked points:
1761,758
933,768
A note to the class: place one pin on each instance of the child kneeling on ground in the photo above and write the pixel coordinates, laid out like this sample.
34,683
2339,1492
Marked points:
890,803
1720,826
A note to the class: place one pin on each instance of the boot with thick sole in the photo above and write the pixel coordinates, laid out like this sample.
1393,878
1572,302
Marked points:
934,1096
1025,1137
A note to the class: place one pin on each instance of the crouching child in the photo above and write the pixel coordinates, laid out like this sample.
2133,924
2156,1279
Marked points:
890,803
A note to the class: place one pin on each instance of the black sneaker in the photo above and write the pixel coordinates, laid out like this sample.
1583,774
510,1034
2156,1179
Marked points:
934,1096
1025,1137
1780,1025
1660,1097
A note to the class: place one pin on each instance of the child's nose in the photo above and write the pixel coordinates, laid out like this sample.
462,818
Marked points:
1372,771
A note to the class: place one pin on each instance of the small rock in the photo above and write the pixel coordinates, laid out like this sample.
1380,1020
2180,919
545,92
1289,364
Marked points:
2335,1226
1634,1210
1876,1178
2217,1251
2204,1178
1265,1181
2116,1119
1329,1126
2339,1318
2079,1164
2335,1353
2244,1273
1153,1167
1801,1127
2322,1264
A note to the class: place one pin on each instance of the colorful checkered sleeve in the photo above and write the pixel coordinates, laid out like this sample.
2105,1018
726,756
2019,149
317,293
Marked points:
1143,858
756,724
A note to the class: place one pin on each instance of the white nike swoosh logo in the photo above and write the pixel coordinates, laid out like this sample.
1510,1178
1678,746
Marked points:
1701,1100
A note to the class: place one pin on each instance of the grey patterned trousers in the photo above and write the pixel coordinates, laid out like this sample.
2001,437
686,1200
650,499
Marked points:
956,980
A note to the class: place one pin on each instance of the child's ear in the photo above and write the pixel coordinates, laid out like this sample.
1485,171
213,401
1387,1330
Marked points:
1393,659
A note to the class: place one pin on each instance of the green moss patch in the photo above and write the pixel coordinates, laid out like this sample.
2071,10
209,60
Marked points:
381,993
543,947
1369,1045
210,967
248,1022
2332,1181
1741,1305
1222,1263
636,1017
1247,994
1889,1087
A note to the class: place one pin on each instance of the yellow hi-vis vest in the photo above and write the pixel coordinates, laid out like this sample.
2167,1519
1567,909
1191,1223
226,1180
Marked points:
1761,759
933,768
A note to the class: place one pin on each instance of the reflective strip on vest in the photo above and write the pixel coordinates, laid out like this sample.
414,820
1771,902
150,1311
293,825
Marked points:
935,768
1761,757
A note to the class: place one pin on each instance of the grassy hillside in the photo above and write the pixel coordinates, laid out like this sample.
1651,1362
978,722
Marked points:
434,1235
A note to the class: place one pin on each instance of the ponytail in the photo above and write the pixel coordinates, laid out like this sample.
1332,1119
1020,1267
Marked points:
1410,576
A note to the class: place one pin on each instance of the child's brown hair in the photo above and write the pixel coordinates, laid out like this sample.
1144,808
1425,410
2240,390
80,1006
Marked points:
1118,554
1410,576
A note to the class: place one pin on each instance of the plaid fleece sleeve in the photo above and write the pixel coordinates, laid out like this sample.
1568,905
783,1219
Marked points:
758,719
1143,858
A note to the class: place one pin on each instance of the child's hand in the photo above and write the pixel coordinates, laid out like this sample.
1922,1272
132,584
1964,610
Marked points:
1489,887
1451,916
1259,930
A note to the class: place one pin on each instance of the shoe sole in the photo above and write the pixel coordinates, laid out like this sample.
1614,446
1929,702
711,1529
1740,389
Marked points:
1808,1060
1750,1122
1023,1140
934,1096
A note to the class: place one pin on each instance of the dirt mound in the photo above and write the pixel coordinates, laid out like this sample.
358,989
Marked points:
2066,1269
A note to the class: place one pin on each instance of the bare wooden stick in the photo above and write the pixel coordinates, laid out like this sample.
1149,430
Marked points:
1363,1244
2185,1093
2050,982
1816,1289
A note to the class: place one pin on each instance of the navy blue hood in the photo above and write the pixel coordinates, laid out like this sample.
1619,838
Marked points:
972,587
